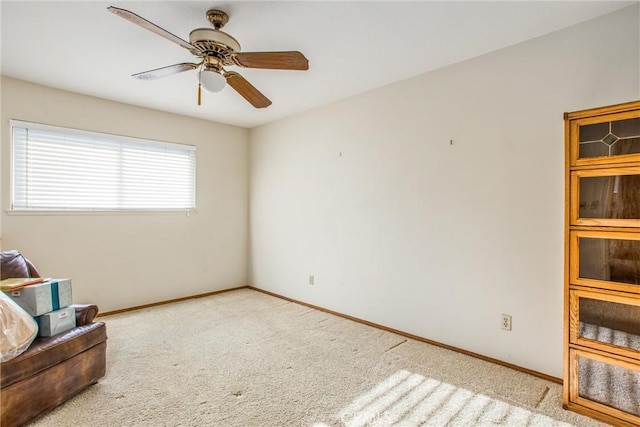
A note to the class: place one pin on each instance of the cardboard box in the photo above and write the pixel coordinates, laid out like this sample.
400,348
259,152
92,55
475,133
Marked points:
56,322
42,298
64,295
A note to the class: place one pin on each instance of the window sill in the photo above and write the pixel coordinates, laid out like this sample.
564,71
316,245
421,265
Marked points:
29,212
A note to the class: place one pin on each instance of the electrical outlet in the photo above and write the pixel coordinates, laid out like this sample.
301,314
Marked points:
505,322
311,280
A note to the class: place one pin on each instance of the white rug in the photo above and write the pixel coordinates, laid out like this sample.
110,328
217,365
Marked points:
243,358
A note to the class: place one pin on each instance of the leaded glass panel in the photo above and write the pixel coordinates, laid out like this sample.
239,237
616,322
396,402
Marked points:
614,138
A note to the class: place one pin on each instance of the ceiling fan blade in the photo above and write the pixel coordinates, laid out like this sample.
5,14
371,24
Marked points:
292,60
165,71
138,20
247,90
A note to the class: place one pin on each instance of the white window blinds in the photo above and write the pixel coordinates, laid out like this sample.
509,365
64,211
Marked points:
56,168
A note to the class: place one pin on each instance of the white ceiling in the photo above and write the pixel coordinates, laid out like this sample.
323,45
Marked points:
352,47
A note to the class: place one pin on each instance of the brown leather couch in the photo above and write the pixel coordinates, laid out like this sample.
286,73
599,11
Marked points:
52,369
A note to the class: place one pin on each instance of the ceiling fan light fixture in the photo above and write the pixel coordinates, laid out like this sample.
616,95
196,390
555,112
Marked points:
212,81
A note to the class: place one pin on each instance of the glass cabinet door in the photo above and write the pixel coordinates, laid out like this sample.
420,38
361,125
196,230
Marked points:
606,197
606,321
606,260
606,384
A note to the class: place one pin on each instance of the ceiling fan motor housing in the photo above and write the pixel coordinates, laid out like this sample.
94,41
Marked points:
214,43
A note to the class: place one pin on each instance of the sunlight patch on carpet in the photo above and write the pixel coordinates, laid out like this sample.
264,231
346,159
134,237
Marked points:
408,399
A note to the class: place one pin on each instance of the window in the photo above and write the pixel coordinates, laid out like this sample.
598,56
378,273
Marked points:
58,169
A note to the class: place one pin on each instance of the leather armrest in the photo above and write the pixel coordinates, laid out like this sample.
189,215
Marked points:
85,313
33,271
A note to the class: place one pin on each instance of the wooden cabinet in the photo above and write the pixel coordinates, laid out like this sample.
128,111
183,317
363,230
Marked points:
602,263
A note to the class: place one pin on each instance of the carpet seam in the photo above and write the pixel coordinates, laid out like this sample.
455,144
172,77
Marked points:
544,394
394,346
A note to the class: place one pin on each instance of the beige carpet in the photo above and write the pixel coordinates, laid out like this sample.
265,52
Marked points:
243,358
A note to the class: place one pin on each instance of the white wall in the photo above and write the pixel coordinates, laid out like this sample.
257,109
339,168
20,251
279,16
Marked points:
125,260
404,229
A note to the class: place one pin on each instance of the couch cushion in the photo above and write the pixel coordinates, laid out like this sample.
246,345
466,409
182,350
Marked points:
45,352
13,265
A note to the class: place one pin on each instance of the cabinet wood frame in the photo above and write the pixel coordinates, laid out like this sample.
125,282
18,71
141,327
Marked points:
573,225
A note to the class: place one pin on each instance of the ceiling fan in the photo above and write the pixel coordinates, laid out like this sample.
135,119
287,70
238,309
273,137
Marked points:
216,50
